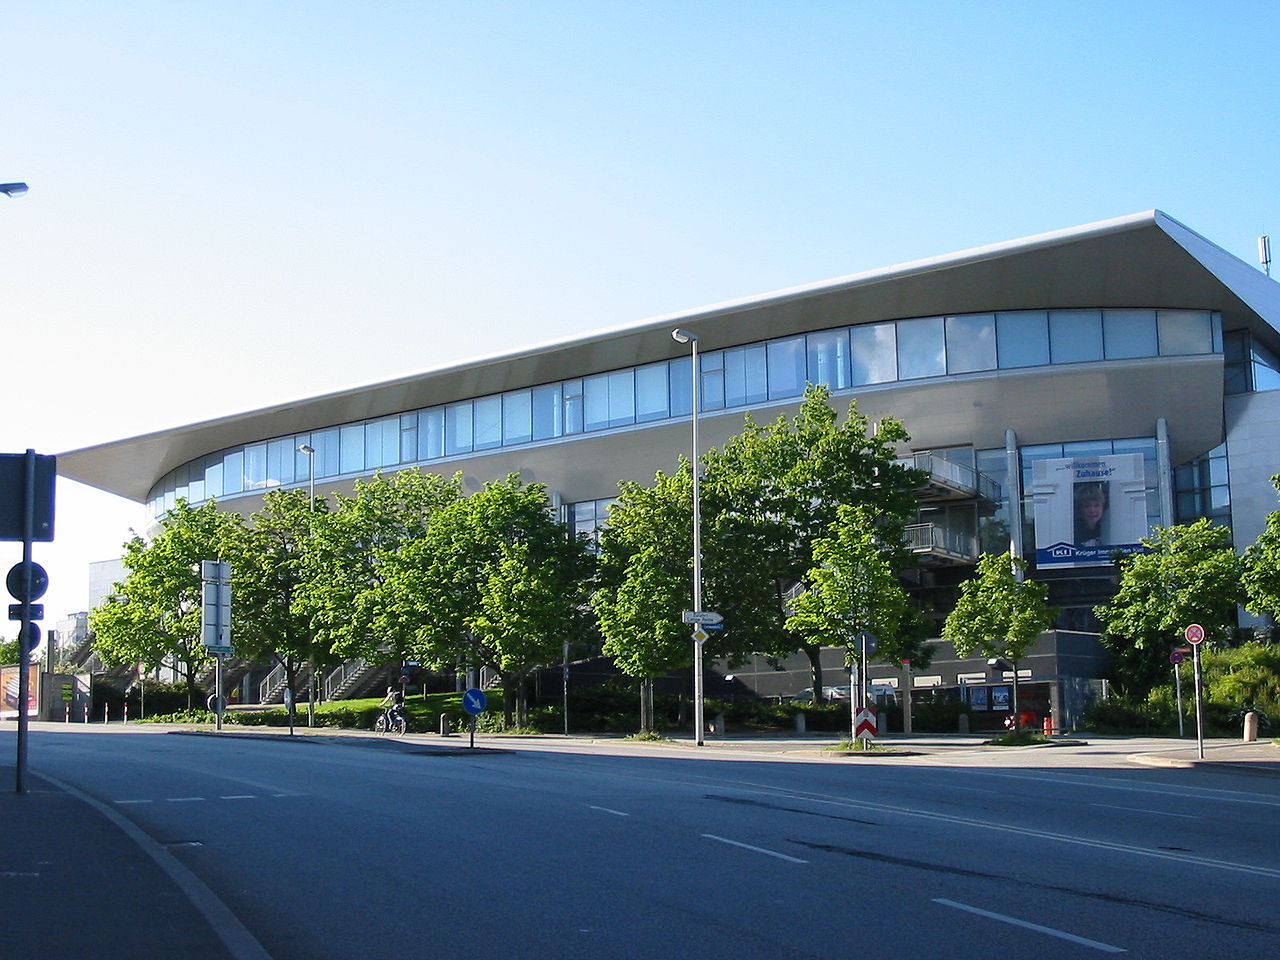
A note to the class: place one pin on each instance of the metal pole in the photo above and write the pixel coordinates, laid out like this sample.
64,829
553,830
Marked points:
24,654
1177,683
1195,653
217,691
566,688
698,705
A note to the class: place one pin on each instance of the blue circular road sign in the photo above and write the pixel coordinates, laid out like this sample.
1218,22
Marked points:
474,701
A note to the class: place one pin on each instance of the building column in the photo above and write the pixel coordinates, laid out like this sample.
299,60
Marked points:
1164,472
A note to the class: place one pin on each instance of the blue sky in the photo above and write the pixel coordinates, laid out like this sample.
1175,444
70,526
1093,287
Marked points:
238,203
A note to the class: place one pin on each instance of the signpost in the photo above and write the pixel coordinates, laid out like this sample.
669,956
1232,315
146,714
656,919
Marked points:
215,624
864,724
1195,636
474,701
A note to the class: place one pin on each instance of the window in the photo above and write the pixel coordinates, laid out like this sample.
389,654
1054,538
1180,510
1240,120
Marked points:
873,353
711,387
596,402
971,343
829,358
431,433
1075,336
787,368
652,402
622,398
486,422
746,376
409,437
921,348
1129,333
382,443
1185,332
680,380
517,417
574,414
233,472
1022,339
351,448
546,409
457,428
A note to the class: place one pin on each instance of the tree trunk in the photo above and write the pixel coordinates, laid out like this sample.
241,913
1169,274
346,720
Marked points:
646,705
814,652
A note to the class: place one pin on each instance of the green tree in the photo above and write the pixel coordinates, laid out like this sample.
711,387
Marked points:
344,564
10,652
643,581
1261,576
1188,574
853,588
999,614
496,581
774,491
267,555
155,616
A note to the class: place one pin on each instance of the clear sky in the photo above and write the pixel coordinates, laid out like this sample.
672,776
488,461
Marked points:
242,202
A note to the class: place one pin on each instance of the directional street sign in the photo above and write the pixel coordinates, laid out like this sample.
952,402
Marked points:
474,701
701,617
864,724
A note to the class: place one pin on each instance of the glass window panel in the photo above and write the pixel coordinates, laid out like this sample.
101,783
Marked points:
1219,498
1087,448
1129,333
1075,336
275,453
829,358
573,406
788,367
622,398
746,376
1022,338
971,342
408,437
179,482
711,389
546,410
873,353
382,443
1143,445
486,422
233,472
351,448
595,392
255,466
457,428
1218,471
325,443
921,348
213,477
680,378
196,485
517,417
1264,368
431,433
1185,332
652,402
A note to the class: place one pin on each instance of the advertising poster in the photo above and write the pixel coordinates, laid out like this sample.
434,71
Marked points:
1000,698
1087,509
10,679
978,698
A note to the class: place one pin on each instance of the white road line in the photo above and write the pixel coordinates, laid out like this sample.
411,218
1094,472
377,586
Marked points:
183,799
131,801
747,846
1158,813
1060,934
239,796
616,813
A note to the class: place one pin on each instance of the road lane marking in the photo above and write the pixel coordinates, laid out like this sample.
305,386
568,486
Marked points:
1060,934
239,796
1157,813
131,801
747,846
183,799
616,813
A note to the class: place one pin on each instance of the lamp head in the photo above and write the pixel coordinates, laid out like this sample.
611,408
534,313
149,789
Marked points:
13,189
682,336
306,448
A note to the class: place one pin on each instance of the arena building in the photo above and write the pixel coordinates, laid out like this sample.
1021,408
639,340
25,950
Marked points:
1064,392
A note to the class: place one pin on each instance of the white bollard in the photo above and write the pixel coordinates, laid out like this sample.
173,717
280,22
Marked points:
1251,726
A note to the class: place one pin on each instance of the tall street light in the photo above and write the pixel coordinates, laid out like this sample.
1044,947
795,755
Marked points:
310,451
13,189
684,336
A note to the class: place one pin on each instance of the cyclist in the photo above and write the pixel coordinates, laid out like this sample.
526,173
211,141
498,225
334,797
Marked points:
393,703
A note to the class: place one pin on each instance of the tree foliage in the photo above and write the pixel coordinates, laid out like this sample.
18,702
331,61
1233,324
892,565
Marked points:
1261,577
1188,574
998,614
155,617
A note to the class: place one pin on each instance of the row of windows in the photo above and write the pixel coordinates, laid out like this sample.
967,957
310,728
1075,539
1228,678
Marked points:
1249,366
778,369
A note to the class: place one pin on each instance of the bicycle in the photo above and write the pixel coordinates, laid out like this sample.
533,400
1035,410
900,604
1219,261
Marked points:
396,728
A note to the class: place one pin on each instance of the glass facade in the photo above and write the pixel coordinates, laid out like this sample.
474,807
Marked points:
735,377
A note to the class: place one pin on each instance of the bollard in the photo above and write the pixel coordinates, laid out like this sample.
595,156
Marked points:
719,725
964,723
1048,726
86,711
104,713
1251,726
126,711
444,725
800,728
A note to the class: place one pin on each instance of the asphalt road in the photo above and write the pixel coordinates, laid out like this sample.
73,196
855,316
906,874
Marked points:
359,847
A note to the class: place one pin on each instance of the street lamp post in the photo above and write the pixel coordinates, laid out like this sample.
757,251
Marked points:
310,451
684,336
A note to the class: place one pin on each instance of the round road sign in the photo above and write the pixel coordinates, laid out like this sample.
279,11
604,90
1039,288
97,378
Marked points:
15,582
1194,633
474,701
1175,657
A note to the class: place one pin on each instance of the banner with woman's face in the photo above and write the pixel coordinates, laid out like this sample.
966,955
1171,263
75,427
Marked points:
1087,509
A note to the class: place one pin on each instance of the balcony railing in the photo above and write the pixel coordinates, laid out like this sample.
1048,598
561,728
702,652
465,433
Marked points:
951,481
936,543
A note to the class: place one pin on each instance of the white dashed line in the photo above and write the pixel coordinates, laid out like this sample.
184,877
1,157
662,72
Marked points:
747,846
616,813
1061,934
